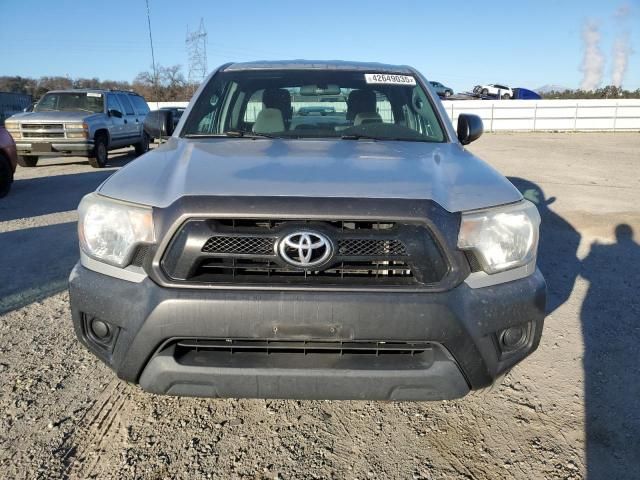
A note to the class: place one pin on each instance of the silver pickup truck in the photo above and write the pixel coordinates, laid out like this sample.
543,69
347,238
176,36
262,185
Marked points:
261,252
86,123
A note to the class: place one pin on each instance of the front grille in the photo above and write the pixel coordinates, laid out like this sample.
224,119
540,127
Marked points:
244,252
367,247
251,271
266,246
240,245
42,130
42,126
303,347
42,134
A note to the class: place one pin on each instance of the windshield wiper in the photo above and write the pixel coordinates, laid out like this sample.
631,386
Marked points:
244,134
230,133
355,136
399,139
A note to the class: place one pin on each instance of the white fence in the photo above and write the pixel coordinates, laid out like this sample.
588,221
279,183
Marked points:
550,115
536,115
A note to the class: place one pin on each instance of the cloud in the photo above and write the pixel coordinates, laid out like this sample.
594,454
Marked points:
593,60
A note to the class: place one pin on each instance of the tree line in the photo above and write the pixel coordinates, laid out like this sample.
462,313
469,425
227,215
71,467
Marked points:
610,91
166,85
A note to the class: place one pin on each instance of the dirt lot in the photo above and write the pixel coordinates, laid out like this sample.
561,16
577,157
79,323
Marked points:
572,410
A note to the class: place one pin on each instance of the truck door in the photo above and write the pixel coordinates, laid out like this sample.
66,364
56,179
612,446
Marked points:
132,126
116,119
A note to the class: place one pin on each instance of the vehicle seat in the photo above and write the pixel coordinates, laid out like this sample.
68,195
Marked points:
360,101
367,117
281,99
269,120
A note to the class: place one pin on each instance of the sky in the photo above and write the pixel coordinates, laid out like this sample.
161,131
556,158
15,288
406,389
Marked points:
459,43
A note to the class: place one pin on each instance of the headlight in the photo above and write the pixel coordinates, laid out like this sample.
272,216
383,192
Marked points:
77,134
13,128
501,238
110,230
77,126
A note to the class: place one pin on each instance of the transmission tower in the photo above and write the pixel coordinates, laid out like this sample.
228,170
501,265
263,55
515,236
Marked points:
197,52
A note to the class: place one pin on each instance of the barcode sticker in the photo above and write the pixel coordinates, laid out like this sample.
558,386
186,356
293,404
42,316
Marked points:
389,78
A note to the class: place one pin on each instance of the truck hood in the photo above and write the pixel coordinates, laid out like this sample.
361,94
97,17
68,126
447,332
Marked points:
52,116
443,172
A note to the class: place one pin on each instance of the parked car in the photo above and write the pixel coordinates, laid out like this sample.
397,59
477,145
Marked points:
373,258
494,90
316,110
176,114
441,90
86,123
8,161
525,94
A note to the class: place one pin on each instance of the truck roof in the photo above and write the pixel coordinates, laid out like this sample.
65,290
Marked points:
317,65
101,90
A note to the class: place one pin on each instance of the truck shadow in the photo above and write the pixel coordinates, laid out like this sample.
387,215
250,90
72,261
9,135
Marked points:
30,197
610,322
36,263
558,249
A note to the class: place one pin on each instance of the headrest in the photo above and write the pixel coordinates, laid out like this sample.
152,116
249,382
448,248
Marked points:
360,101
269,120
367,117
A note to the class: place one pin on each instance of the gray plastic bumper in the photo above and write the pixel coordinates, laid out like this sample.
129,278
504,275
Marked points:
441,380
461,324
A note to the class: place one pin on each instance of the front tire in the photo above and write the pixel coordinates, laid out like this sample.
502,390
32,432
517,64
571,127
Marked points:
27,161
485,92
143,146
506,96
6,177
100,154
447,94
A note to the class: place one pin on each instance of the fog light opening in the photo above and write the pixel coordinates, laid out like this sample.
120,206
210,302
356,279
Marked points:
100,330
513,338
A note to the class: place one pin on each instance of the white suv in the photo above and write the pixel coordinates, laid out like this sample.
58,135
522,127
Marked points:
500,91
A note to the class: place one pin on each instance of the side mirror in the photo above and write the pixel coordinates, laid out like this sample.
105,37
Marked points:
470,128
159,123
115,113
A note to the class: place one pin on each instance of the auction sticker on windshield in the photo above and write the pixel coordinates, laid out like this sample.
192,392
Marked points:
92,94
389,78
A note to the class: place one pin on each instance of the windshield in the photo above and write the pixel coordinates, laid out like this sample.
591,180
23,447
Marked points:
314,104
91,102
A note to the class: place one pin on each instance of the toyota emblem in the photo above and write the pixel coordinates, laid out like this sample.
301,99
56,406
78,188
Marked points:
304,249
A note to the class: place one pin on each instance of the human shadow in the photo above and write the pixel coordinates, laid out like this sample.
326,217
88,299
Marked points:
558,248
610,318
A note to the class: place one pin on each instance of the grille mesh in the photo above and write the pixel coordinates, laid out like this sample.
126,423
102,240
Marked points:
265,246
367,247
240,245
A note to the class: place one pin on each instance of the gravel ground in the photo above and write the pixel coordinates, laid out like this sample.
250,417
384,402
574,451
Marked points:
569,411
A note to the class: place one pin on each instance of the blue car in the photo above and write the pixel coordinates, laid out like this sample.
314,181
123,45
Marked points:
441,90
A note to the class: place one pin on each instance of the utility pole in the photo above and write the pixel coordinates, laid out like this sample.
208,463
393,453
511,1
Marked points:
196,43
153,58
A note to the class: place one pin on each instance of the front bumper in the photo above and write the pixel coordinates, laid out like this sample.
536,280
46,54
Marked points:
54,148
462,324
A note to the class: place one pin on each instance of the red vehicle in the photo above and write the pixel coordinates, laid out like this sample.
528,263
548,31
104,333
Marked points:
8,161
